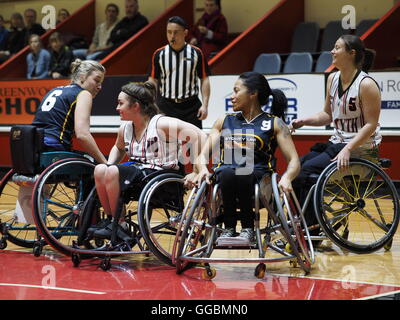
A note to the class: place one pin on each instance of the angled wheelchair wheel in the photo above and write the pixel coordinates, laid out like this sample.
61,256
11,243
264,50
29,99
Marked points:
357,207
194,232
161,203
58,198
294,227
20,233
298,226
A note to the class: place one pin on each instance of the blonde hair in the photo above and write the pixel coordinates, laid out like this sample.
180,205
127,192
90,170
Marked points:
84,67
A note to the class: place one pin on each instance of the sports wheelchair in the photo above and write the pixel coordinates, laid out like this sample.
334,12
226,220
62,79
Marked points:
357,208
150,208
284,230
28,161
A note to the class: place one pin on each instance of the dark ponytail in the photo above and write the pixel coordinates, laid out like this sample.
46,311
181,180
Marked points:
279,103
145,94
256,82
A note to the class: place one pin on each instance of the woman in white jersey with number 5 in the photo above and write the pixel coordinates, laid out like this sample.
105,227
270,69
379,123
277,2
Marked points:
149,139
353,105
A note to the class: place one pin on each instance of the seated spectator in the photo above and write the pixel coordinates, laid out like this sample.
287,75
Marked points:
101,35
16,38
31,25
3,32
210,33
62,15
38,60
126,28
61,57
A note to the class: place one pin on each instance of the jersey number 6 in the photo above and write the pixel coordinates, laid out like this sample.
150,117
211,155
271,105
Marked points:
50,101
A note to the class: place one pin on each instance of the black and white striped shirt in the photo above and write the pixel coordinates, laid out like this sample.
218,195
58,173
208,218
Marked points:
178,71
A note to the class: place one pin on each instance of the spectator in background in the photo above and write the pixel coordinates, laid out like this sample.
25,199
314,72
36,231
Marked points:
210,33
31,25
126,28
61,57
16,38
101,35
62,15
38,60
3,32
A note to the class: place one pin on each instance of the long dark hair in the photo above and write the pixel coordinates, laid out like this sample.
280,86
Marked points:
144,94
256,82
353,42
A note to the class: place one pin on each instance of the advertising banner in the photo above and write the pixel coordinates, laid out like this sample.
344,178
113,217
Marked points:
20,99
305,94
389,83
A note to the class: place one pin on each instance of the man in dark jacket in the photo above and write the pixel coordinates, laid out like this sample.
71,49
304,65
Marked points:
31,25
126,28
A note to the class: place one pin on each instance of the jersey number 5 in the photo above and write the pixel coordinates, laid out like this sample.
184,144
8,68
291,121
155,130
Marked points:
352,104
50,101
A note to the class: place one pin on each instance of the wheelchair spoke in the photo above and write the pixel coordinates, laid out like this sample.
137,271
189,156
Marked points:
366,215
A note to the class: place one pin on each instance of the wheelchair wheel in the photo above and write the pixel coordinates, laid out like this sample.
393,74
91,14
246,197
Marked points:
160,206
19,233
357,207
293,226
58,197
193,231
300,231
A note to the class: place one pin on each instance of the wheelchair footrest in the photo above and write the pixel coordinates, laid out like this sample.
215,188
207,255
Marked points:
234,242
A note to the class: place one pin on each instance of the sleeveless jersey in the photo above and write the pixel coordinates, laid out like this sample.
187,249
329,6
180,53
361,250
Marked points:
56,113
347,111
248,144
151,151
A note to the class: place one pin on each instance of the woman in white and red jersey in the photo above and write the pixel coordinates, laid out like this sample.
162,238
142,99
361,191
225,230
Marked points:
149,139
353,104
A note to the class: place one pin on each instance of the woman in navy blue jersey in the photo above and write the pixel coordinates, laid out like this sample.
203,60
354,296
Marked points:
66,110
247,142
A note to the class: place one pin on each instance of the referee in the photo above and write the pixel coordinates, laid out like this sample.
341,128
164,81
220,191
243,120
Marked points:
175,70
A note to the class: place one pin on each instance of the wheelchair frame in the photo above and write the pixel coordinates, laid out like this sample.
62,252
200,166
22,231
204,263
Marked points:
199,226
82,212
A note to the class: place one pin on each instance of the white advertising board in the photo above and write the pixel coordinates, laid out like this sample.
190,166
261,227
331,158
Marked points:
305,93
389,83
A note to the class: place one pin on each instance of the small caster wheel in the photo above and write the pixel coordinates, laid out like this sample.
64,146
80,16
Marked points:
208,273
3,243
98,242
37,250
260,270
76,259
293,263
105,264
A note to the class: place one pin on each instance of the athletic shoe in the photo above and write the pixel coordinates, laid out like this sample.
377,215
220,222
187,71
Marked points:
247,234
228,233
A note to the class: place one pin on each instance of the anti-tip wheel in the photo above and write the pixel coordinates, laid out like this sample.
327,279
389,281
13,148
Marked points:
208,274
76,259
260,270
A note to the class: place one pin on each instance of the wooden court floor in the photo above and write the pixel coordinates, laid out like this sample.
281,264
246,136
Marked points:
335,275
